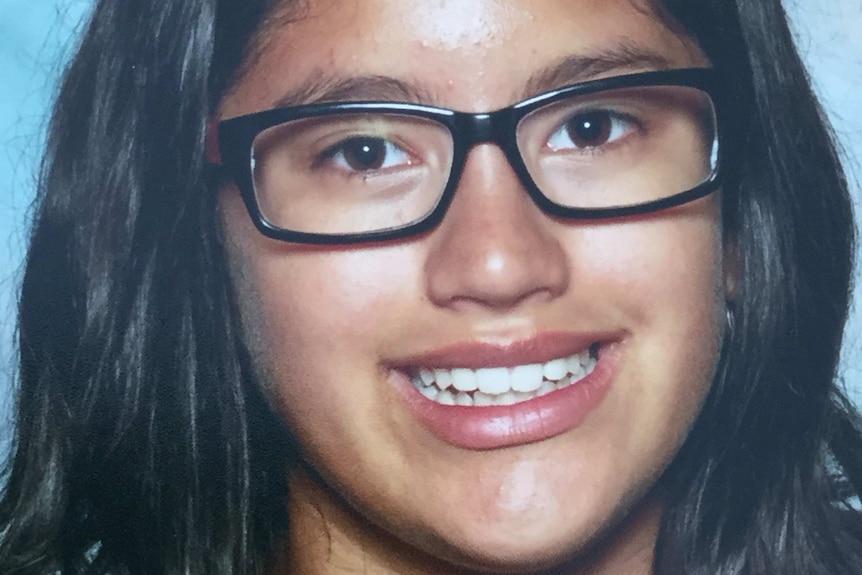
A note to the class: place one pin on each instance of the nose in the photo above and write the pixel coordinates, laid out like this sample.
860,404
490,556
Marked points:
495,249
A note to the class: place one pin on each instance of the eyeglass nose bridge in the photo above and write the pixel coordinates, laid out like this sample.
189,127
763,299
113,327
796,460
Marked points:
489,127
498,128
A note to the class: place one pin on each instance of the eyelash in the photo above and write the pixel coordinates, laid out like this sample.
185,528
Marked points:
621,126
337,155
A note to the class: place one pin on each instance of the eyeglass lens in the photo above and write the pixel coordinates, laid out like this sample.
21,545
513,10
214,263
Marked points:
365,172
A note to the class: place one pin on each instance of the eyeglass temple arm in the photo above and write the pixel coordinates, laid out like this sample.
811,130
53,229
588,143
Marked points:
212,152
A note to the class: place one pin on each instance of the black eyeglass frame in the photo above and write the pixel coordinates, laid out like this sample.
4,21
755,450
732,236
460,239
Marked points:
236,137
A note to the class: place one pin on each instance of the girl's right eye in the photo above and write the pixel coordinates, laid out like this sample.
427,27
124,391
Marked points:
367,154
589,130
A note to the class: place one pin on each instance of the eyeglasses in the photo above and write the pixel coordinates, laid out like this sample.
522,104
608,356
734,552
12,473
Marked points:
349,172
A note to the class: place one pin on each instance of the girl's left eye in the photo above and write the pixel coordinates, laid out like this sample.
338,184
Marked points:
589,130
367,154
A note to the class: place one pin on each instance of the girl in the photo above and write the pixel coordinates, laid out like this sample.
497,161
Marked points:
410,287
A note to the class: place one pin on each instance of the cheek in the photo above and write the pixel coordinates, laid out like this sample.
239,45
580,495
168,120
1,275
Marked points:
325,303
658,263
665,276
301,306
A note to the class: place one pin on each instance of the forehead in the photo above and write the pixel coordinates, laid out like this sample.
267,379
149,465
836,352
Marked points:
467,54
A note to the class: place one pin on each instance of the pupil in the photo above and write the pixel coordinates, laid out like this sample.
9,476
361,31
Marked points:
365,153
590,130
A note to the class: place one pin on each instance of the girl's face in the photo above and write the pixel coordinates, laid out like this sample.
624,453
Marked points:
341,336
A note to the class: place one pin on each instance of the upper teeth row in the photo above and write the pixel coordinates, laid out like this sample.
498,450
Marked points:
498,380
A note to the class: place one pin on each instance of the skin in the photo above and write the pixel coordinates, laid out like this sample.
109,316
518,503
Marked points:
378,493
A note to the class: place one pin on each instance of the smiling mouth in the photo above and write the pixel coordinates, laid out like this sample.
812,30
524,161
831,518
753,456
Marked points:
503,385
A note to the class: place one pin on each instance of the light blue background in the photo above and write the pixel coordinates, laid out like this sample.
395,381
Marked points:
35,39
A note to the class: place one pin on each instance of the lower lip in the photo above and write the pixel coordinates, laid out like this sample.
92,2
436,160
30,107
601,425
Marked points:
499,426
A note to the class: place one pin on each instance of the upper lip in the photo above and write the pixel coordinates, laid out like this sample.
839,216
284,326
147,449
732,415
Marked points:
472,354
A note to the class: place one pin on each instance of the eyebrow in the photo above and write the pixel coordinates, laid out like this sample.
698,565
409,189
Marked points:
623,58
325,87
331,88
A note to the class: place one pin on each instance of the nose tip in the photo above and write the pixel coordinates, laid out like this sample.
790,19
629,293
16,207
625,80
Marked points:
495,248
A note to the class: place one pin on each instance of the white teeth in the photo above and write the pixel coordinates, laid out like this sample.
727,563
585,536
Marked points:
427,376
464,400
502,385
555,370
526,378
584,357
443,378
573,364
508,398
483,399
547,387
493,380
446,398
464,379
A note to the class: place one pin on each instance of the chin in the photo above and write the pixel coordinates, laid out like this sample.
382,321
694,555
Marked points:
522,549
523,557
556,543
